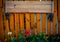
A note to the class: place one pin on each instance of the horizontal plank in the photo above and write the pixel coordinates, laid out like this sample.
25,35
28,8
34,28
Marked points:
29,6
29,2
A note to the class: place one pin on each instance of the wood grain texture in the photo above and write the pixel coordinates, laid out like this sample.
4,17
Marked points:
15,0
58,10
16,24
44,23
27,15
59,28
29,6
48,0
32,0
12,23
1,4
32,23
58,17
6,24
55,15
38,22
1,27
21,18
49,27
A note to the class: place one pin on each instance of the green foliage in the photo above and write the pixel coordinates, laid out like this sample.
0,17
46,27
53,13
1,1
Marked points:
5,40
13,39
35,38
21,39
56,39
51,38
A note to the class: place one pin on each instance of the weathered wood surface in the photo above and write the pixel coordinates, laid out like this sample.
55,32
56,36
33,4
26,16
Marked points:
29,6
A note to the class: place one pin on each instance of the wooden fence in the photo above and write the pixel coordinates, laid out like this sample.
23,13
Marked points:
20,21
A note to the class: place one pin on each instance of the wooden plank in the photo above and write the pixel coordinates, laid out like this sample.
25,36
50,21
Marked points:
49,27
1,27
55,15
12,24
35,24
16,24
32,23
32,20
29,6
6,24
38,22
43,0
21,0
27,15
21,22
48,0
15,0
59,28
8,0
0,3
58,17
32,0
44,23
58,10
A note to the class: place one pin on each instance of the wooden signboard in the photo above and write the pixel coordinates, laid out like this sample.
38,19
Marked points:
29,6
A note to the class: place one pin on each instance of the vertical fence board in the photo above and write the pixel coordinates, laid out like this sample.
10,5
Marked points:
1,27
58,10
49,27
32,23
0,3
38,23
12,24
27,15
16,24
58,17
6,24
59,28
49,24
55,15
6,27
44,23
21,22
35,24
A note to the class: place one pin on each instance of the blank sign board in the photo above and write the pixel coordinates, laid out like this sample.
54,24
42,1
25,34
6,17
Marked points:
29,6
